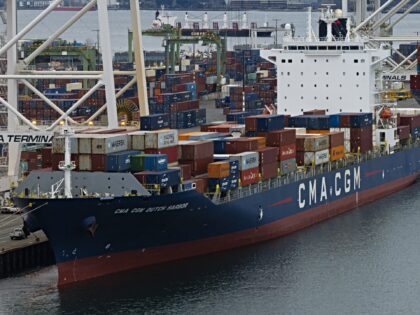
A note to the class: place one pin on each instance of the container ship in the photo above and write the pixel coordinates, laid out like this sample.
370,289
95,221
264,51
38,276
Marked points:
238,28
121,199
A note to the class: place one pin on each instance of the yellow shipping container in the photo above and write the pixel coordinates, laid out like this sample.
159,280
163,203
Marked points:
218,169
337,153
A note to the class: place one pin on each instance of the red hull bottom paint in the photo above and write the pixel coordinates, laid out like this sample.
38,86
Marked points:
87,268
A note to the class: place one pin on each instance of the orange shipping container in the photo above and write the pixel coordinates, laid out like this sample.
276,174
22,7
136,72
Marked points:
320,132
261,142
337,153
218,169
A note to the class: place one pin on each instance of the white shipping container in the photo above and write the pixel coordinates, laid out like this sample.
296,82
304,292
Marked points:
137,140
104,144
73,86
319,157
58,145
85,162
299,131
160,139
84,143
347,145
211,79
185,62
314,142
246,160
150,73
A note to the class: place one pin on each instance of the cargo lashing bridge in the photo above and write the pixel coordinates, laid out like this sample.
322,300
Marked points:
19,71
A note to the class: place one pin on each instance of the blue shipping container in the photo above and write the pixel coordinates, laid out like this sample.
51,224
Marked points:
119,162
359,120
163,178
318,122
335,121
154,122
270,123
238,117
415,132
234,167
219,146
234,182
224,183
155,162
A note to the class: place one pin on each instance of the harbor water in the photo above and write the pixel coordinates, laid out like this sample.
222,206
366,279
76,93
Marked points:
363,262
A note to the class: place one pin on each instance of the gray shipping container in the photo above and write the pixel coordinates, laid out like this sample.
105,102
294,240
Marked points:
318,157
58,145
161,139
85,162
104,144
246,160
137,140
84,144
287,166
315,142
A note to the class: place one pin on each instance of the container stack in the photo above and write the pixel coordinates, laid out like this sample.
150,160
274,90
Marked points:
285,141
248,167
413,124
312,149
177,96
162,142
197,154
219,176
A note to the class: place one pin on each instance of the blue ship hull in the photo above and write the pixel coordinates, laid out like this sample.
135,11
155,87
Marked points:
93,237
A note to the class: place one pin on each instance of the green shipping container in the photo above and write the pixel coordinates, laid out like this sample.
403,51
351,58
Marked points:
136,162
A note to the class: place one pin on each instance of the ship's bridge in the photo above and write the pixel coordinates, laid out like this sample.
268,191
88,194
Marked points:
339,76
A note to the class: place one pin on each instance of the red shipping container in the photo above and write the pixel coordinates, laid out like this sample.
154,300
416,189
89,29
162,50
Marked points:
268,170
403,132
185,171
197,150
364,145
336,138
201,183
364,134
171,152
57,157
198,166
98,162
410,120
281,137
46,157
251,122
249,176
300,158
287,152
268,155
315,112
239,145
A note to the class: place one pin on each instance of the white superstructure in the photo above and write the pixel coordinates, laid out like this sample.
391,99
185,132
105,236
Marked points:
339,74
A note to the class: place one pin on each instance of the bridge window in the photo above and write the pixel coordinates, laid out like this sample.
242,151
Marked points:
356,61
283,61
312,48
290,60
301,47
